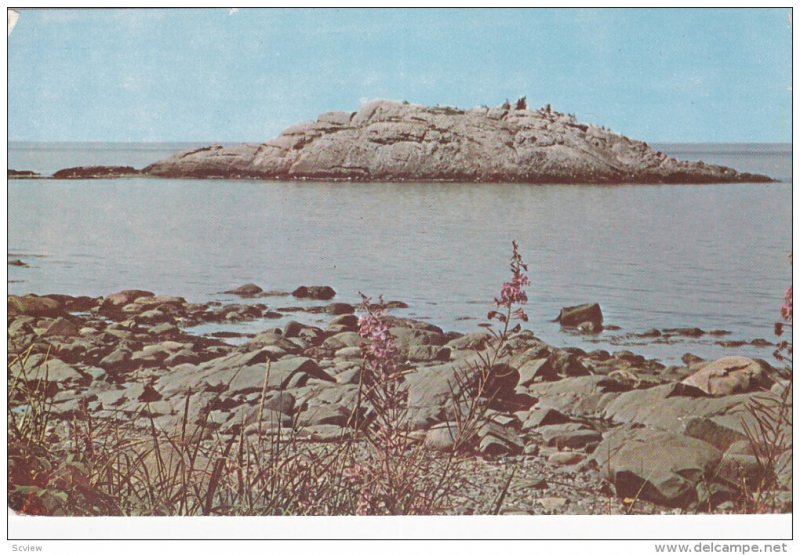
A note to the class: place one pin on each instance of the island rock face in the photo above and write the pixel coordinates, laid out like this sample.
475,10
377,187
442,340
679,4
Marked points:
394,141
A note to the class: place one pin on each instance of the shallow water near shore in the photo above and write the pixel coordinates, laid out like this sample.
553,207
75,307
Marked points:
710,256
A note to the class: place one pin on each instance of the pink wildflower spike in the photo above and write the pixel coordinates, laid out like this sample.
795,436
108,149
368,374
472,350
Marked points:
380,352
513,292
786,308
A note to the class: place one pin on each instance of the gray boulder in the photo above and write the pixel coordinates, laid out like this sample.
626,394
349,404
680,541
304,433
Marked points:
111,305
575,316
61,327
437,390
730,375
33,305
651,465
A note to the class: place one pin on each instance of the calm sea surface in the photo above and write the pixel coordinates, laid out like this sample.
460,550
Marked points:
711,256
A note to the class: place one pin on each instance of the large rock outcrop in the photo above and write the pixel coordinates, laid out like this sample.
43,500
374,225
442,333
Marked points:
393,141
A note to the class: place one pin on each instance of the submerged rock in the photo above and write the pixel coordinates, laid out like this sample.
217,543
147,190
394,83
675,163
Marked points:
246,290
393,141
95,172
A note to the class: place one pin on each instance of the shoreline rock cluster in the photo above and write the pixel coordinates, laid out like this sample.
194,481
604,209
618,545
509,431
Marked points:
398,141
584,430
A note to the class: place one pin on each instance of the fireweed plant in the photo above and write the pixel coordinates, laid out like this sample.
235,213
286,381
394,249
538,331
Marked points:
768,428
399,475
84,465
392,474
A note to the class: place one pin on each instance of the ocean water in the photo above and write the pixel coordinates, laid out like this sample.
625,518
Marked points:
710,256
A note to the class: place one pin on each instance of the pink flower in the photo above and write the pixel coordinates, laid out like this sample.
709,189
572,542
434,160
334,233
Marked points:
786,308
513,292
380,353
354,473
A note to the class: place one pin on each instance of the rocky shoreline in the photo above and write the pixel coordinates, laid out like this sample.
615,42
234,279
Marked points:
568,432
398,141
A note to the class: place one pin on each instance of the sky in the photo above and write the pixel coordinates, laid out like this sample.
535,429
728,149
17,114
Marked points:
228,75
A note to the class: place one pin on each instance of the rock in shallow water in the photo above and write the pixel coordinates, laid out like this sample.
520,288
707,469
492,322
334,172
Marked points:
575,316
317,292
246,290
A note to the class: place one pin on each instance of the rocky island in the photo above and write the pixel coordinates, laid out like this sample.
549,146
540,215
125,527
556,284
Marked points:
398,141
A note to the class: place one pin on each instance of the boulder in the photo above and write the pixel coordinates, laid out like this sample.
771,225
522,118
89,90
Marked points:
341,340
339,308
279,401
295,372
111,305
470,341
324,414
495,439
660,408
61,327
349,353
117,360
39,368
574,316
350,376
428,353
565,458
405,338
572,435
33,305
275,341
536,370
436,390
711,431
730,375
317,292
656,466
579,396
442,436
344,322
739,465
543,417
246,290
683,332
293,328
154,316
342,395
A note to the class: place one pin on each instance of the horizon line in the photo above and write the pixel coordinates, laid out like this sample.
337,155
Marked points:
227,141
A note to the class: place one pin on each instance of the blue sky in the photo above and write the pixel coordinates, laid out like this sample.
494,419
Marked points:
661,75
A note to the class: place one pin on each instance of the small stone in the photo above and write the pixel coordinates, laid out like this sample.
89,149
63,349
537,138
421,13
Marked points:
552,504
441,437
538,482
565,458
531,450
